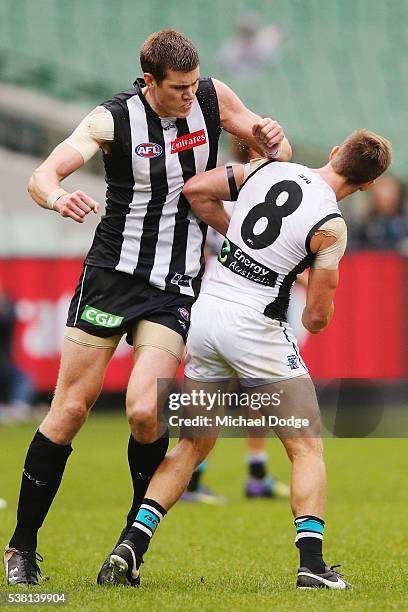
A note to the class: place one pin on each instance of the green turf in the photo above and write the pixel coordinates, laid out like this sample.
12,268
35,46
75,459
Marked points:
237,557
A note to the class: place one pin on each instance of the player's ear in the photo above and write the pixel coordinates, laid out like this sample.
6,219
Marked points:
149,79
334,152
365,186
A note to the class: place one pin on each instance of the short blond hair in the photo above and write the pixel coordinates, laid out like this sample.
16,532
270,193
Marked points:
362,157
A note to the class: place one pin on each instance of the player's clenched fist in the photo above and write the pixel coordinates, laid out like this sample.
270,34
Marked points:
269,136
75,205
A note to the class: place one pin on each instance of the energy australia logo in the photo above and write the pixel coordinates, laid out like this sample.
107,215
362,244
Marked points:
100,318
241,263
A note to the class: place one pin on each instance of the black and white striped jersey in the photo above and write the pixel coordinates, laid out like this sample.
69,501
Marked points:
148,229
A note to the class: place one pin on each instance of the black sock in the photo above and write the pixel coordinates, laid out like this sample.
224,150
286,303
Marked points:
43,469
257,464
257,469
144,459
309,540
195,479
147,518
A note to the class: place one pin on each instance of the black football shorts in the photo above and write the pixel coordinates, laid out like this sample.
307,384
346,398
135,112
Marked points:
109,303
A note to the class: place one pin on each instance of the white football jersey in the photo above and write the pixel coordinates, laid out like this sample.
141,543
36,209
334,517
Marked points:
279,207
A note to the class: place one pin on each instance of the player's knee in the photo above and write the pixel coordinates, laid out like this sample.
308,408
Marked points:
302,448
199,448
76,411
203,450
141,416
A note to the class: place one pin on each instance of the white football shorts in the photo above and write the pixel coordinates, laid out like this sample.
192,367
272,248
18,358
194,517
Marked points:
229,340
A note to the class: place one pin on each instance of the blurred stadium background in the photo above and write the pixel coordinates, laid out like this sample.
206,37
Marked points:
322,68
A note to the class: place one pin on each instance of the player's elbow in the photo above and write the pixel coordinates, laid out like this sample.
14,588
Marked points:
314,321
316,327
200,203
192,190
32,183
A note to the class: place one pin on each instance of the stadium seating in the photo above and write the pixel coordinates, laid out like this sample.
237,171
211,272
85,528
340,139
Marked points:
342,63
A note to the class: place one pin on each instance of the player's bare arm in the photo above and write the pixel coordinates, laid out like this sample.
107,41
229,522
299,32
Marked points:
205,193
264,135
319,303
328,246
44,185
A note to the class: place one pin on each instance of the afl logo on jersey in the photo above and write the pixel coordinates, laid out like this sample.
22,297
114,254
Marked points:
183,312
148,149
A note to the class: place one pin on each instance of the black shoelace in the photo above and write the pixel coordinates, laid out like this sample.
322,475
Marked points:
30,563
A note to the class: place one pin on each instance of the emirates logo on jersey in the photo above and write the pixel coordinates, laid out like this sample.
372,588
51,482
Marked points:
148,149
195,139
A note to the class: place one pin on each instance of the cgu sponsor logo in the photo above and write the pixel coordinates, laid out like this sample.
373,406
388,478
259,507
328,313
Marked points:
148,149
100,318
188,141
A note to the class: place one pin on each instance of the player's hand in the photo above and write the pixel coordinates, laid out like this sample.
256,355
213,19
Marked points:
76,205
269,136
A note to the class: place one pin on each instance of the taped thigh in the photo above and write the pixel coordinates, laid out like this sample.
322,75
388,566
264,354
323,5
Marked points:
149,333
81,337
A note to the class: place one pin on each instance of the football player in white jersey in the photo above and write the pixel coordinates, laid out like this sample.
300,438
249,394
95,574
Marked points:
286,218
260,483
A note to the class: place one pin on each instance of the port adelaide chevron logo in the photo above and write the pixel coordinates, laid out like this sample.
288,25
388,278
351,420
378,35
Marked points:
148,149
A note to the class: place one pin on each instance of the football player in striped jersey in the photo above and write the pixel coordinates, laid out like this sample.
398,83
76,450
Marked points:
143,271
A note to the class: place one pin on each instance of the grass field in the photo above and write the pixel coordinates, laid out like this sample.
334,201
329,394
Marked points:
235,557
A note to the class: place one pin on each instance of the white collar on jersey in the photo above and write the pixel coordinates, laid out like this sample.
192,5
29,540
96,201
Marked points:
168,123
